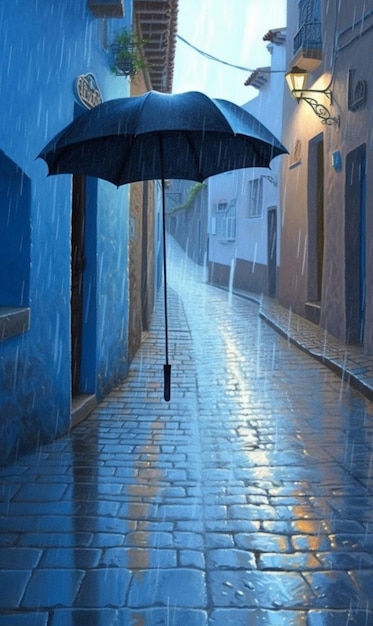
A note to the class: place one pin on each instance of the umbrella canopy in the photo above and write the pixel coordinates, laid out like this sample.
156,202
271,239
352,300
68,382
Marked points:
158,136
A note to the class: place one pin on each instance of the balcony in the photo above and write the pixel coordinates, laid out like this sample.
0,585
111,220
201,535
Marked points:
308,47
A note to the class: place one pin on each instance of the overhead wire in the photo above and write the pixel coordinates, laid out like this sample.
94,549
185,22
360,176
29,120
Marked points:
210,57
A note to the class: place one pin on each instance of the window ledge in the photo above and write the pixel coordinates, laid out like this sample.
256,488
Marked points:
106,8
13,321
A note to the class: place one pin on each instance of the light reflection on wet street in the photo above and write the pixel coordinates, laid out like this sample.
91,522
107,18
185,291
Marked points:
246,500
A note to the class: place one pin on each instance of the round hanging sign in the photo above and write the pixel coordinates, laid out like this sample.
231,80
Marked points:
87,91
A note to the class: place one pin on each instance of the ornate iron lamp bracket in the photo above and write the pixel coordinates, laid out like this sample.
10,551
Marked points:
318,108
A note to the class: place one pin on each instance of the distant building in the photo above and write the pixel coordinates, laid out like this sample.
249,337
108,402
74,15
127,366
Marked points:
244,205
186,209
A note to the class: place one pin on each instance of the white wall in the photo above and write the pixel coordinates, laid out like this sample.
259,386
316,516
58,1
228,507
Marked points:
251,233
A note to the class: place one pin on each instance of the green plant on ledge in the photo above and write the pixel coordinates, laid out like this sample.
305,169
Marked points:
193,192
128,54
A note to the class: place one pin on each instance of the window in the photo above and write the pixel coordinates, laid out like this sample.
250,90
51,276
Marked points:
225,221
226,228
255,198
309,11
15,195
308,36
15,202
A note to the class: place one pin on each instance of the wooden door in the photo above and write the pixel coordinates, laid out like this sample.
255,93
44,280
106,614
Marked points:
355,245
272,252
77,269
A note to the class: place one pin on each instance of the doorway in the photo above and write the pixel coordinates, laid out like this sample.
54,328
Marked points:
315,219
78,263
144,257
272,251
355,245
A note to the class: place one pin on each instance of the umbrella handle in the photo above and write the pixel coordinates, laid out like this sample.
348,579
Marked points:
167,382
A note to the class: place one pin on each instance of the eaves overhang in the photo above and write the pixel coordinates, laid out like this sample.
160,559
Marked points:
156,21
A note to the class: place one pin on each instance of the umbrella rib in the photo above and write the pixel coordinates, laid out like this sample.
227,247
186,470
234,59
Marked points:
126,158
196,160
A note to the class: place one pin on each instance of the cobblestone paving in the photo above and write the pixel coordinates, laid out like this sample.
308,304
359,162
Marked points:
246,500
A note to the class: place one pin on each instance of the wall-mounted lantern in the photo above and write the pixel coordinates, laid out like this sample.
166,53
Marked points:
297,82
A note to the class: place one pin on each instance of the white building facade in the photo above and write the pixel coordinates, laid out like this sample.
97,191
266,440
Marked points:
244,205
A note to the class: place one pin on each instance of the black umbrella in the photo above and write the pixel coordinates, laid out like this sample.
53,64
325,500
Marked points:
161,136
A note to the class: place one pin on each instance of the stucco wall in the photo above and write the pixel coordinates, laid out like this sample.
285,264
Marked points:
186,209
347,37
355,30
242,275
46,45
141,247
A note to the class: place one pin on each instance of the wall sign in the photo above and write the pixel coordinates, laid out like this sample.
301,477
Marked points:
295,156
357,92
87,91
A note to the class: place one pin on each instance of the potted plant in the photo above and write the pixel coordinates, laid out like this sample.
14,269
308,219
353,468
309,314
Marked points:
128,54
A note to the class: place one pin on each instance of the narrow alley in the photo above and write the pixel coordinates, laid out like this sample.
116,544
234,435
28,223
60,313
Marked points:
244,501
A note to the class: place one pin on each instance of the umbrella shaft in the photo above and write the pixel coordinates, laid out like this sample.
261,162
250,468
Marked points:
164,269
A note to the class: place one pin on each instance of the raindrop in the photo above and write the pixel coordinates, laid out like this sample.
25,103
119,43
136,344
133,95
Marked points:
231,280
249,585
228,584
277,605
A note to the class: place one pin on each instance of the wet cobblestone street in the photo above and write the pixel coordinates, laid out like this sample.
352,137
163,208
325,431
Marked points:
245,501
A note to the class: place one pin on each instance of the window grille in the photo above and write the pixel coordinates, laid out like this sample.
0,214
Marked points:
309,12
222,206
308,36
226,227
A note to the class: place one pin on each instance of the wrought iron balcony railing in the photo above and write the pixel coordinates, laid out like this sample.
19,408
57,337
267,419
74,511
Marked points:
308,39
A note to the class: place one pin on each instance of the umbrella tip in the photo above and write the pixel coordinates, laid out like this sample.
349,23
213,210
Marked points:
167,382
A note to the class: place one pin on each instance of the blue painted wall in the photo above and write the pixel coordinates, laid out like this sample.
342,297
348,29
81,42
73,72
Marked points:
45,46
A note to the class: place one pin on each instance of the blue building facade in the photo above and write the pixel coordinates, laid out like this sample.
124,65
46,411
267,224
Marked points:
63,239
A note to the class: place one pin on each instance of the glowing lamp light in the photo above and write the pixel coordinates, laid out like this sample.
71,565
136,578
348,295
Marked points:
296,79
